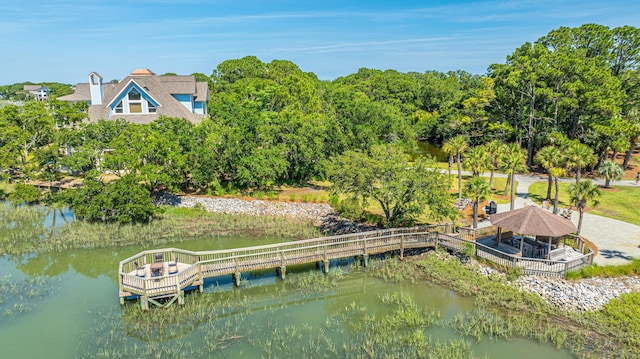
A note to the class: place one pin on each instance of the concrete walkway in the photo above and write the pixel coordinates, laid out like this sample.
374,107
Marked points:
618,242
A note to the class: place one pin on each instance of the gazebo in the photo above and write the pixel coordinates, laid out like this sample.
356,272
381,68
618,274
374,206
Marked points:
534,221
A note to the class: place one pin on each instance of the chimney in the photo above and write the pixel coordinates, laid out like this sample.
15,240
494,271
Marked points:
95,86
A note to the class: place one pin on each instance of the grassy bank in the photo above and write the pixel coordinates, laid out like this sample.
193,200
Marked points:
616,202
23,230
595,270
614,329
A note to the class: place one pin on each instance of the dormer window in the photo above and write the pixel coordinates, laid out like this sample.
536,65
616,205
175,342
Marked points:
119,108
151,107
135,101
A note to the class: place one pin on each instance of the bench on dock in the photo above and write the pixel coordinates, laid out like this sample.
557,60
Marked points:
507,237
559,254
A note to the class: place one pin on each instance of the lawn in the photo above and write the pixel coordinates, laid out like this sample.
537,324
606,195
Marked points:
616,202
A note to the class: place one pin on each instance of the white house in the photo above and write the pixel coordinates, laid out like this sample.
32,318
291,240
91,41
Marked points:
143,96
39,92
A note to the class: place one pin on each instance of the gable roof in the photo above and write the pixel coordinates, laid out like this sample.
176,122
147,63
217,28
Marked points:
158,88
81,93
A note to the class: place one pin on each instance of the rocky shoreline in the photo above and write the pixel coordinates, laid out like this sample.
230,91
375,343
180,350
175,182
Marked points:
303,211
322,215
583,295
589,294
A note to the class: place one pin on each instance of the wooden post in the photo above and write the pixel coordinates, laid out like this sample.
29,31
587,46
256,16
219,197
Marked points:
237,276
178,291
181,298
401,247
281,272
144,303
326,266
365,260
437,239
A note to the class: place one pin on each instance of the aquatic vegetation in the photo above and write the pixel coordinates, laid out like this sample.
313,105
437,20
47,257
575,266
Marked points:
24,231
22,295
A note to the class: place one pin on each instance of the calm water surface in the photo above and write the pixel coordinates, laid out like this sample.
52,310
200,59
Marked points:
83,292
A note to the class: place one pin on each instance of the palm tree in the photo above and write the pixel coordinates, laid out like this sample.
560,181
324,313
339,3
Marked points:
513,160
610,171
477,160
583,192
579,156
478,189
549,157
457,145
494,148
556,172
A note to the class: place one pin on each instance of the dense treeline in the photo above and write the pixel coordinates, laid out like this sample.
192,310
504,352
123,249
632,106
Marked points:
272,123
16,92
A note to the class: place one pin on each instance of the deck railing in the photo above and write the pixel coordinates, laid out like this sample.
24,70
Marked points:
528,266
196,266
207,264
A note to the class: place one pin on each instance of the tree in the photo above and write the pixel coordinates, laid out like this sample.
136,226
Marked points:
478,189
610,171
457,145
384,175
549,157
556,172
583,192
122,201
578,157
494,148
26,128
513,160
478,160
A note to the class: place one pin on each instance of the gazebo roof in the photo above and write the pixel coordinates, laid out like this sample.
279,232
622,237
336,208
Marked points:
533,220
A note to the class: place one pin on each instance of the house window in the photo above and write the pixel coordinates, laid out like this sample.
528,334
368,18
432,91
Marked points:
135,107
150,107
135,101
134,95
119,108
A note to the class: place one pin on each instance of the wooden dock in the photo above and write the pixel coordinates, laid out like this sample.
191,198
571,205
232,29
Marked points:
160,277
136,277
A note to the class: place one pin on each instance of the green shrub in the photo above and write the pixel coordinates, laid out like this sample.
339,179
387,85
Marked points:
124,201
25,193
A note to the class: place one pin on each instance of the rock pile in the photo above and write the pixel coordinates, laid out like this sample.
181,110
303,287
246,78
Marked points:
305,211
588,294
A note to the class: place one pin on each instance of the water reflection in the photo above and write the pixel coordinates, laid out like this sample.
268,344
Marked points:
428,149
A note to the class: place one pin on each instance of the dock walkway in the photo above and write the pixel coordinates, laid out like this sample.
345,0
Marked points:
166,273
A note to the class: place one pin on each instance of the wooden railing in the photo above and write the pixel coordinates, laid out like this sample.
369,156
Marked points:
194,267
528,266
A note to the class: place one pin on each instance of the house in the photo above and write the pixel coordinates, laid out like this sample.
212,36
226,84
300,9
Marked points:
39,92
142,97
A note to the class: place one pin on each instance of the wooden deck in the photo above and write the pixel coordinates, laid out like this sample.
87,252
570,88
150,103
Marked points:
161,276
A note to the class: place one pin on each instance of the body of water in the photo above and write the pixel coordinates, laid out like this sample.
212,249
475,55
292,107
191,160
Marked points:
66,305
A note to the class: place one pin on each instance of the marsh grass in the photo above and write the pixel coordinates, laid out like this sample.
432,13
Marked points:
25,233
594,335
22,296
21,228
227,322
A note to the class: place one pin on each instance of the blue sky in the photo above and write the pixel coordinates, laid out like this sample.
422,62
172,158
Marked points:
64,40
